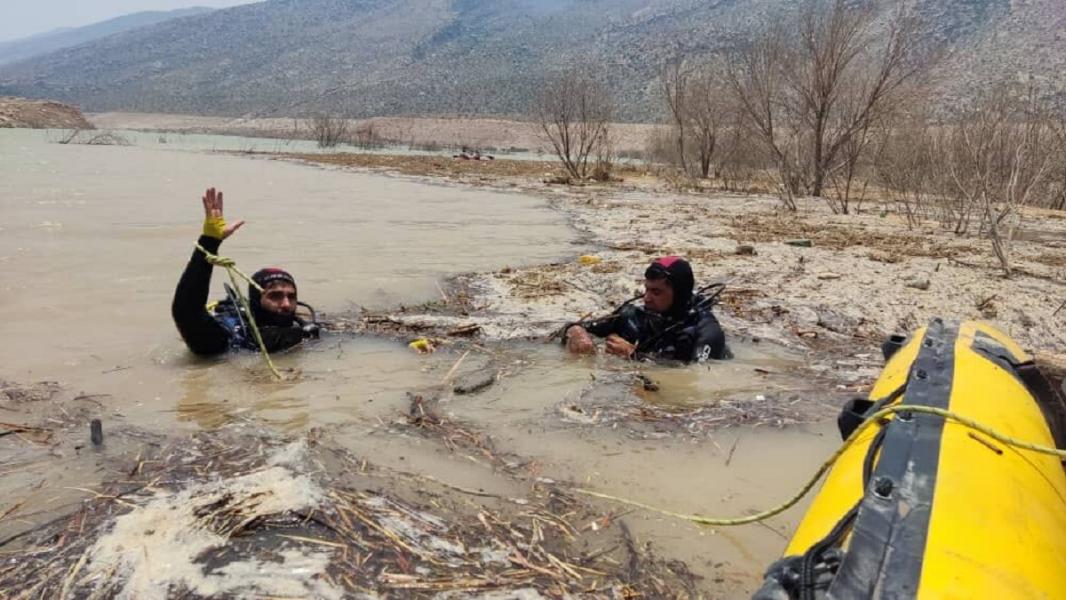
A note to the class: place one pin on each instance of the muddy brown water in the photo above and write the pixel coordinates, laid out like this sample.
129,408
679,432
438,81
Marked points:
92,240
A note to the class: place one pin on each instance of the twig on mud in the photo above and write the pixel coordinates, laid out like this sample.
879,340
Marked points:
633,565
729,458
455,367
13,428
35,529
457,488
13,508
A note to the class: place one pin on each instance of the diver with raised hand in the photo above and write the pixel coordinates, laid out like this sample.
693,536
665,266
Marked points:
226,325
675,322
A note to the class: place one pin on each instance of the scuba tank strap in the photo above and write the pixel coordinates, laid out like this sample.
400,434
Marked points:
310,328
229,314
231,295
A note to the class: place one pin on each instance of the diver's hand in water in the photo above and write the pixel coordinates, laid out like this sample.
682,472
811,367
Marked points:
579,341
214,221
619,347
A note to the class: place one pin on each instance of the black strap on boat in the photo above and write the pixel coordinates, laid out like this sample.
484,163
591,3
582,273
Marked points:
887,543
1051,402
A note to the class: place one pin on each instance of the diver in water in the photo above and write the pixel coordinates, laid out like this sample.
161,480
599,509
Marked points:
225,325
675,322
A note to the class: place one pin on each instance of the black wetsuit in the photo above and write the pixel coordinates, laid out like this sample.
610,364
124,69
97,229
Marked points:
694,336
209,334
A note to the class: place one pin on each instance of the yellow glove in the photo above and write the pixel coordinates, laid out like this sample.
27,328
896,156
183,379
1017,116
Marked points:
214,227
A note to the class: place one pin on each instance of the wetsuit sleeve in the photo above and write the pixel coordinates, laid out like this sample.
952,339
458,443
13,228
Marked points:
605,326
202,334
706,342
599,328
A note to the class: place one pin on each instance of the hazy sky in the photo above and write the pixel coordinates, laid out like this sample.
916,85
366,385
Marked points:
27,17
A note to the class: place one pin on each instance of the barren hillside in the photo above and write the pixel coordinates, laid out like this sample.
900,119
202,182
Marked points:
467,57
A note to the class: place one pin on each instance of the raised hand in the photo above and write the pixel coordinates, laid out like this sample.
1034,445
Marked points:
214,219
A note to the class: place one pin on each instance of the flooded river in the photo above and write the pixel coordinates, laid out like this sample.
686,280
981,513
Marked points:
93,239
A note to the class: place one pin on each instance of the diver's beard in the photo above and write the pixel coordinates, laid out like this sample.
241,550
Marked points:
265,318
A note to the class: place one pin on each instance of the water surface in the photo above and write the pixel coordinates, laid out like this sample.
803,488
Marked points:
93,239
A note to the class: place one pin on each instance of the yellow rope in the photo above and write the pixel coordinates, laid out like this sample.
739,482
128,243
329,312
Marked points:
234,272
869,422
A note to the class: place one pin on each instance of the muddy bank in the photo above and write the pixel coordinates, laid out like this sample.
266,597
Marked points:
40,114
862,277
836,285
495,135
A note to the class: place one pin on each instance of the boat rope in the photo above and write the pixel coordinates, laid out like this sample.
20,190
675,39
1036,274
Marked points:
231,269
874,419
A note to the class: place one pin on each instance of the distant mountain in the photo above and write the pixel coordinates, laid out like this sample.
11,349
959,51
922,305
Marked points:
385,57
65,37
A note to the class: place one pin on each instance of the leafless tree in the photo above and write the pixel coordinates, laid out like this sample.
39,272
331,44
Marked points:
814,88
675,84
573,112
755,76
713,116
1056,197
844,73
701,107
329,131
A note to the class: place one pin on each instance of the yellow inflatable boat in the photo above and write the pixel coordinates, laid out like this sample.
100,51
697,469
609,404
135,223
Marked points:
922,507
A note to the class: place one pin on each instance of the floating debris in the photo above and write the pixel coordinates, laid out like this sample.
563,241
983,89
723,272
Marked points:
237,512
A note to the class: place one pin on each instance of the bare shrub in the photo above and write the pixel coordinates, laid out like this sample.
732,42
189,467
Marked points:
68,136
603,167
661,147
998,157
366,137
1056,192
740,161
107,138
329,131
974,173
90,138
906,170
573,113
